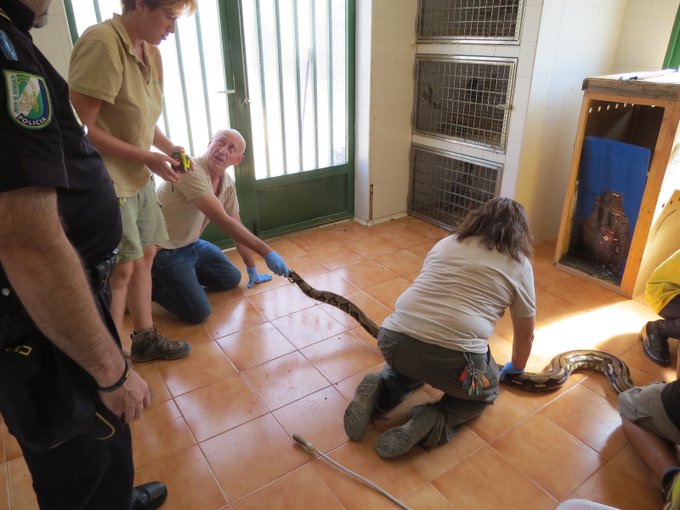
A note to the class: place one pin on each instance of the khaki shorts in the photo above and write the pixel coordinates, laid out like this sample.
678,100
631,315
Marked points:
643,407
143,223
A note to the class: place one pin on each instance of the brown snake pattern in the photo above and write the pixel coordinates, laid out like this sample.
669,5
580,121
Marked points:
553,376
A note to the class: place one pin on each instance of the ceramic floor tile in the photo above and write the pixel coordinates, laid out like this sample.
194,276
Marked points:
315,240
441,459
402,262
303,488
335,257
370,249
281,301
326,430
160,432
219,298
589,417
251,455
255,345
426,497
248,460
636,358
422,249
364,335
366,274
510,487
373,309
341,356
308,326
629,461
190,482
306,266
206,364
534,445
395,476
388,292
284,380
232,317
508,410
286,248
614,487
332,282
343,317
195,334
407,238
149,372
218,407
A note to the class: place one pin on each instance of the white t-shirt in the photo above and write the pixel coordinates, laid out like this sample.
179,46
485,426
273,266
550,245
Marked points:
186,222
462,290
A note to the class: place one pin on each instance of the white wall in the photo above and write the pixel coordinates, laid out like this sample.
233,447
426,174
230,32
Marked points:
645,32
54,39
385,58
577,38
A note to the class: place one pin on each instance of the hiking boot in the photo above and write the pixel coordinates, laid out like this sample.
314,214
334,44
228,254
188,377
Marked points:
655,344
360,409
671,490
148,344
399,440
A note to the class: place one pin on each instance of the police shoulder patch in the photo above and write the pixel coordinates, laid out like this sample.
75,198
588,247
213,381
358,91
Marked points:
28,102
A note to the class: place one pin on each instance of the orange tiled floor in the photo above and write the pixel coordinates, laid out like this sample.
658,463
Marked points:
270,362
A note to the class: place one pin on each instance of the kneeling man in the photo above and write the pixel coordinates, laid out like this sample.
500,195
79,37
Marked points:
186,266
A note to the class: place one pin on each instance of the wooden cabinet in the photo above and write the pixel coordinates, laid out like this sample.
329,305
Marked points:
626,146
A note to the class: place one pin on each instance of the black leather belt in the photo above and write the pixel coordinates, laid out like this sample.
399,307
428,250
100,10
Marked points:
100,272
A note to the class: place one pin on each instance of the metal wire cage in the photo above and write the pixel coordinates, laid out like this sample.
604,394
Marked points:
464,98
486,21
446,186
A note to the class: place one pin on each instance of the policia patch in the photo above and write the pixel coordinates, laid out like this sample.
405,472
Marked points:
28,102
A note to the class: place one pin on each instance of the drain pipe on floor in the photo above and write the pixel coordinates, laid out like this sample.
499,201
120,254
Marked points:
312,449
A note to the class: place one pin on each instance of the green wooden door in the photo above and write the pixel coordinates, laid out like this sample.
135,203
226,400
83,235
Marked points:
291,72
282,73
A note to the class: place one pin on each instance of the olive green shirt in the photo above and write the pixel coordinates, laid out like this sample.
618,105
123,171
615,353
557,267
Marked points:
185,221
104,66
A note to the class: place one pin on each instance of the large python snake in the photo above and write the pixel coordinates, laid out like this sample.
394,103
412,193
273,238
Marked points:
553,376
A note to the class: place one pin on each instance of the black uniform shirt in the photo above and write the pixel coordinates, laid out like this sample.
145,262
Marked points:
43,144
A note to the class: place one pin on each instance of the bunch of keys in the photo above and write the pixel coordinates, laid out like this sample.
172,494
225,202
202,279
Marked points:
473,380
183,160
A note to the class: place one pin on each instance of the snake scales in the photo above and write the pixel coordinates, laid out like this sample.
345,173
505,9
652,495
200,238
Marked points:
553,376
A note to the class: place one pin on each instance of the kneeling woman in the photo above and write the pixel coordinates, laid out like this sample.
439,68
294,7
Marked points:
440,329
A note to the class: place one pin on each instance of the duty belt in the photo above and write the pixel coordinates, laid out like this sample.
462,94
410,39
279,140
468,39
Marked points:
100,272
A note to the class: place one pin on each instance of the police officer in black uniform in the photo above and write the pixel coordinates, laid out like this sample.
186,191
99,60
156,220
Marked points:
66,391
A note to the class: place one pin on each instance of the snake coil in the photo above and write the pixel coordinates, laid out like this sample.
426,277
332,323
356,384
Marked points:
553,376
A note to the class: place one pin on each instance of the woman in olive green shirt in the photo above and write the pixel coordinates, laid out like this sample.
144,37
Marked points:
116,83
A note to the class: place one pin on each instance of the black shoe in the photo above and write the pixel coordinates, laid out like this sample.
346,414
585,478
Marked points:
655,344
149,496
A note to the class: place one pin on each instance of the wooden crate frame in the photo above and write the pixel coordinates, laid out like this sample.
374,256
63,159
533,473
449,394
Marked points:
656,91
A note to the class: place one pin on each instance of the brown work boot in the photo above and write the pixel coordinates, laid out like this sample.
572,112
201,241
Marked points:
148,344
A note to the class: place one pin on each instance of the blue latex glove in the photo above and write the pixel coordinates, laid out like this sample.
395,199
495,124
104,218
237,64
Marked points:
254,277
276,264
509,368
